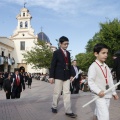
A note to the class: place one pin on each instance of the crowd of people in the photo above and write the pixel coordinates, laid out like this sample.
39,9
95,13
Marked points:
69,79
99,79
14,83
41,76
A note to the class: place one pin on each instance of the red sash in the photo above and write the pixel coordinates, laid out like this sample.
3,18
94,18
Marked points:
65,57
105,75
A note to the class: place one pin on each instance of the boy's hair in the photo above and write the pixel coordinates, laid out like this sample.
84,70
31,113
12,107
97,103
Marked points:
63,39
98,47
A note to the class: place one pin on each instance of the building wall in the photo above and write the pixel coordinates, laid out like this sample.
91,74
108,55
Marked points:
7,46
12,45
29,43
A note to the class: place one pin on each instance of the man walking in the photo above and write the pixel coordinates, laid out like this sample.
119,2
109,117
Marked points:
18,83
60,74
76,83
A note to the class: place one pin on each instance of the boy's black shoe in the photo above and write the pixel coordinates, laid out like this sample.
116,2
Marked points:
72,115
54,110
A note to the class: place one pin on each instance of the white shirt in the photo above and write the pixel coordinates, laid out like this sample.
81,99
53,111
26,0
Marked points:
18,77
96,79
64,51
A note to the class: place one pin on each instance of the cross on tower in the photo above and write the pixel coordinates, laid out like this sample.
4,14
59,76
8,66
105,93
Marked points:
41,28
24,4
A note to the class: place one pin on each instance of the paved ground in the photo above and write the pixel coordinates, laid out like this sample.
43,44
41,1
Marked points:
35,104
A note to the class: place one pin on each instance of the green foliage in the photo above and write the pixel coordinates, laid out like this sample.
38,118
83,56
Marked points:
92,42
109,34
84,60
39,56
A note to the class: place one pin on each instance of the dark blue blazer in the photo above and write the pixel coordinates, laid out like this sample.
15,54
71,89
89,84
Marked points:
58,66
22,84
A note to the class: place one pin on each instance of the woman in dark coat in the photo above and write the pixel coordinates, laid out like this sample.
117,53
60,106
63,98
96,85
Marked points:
1,81
7,86
29,80
26,78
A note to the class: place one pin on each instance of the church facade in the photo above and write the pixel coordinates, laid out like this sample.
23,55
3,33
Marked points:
22,40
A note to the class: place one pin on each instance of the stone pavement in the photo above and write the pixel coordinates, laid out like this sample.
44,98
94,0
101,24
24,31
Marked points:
35,104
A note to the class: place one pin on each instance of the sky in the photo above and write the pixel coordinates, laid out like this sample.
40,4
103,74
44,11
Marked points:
76,19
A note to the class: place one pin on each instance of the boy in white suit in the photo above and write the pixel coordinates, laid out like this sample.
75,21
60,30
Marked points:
100,79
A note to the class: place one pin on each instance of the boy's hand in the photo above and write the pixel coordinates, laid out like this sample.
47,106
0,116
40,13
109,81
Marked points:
51,80
71,79
116,97
101,94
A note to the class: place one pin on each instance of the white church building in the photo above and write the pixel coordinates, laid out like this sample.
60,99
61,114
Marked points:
22,40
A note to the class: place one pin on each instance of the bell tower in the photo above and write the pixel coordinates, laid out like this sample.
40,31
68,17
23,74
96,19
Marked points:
24,28
24,19
23,38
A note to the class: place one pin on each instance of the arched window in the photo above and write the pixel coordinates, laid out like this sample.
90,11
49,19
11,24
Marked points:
23,14
9,55
21,24
26,24
2,53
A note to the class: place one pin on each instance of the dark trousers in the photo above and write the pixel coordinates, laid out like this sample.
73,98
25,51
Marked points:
16,93
75,87
1,86
118,79
72,88
8,95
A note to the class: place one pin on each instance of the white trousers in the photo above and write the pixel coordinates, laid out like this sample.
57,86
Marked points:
65,86
102,108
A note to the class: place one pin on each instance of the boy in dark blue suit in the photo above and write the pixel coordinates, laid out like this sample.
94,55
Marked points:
60,73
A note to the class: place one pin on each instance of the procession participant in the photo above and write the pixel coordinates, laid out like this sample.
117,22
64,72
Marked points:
60,73
100,79
7,86
75,87
18,84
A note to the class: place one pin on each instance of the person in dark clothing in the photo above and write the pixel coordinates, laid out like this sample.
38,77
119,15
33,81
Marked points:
18,84
61,75
1,81
7,86
5,75
26,78
116,69
29,80
75,87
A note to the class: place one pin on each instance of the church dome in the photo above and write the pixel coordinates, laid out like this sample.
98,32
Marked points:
43,37
24,10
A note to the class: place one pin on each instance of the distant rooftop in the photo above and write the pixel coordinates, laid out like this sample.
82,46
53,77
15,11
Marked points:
6,41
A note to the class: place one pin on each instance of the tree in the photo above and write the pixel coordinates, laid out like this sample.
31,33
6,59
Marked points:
84,60
39,56
108,34
92,42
